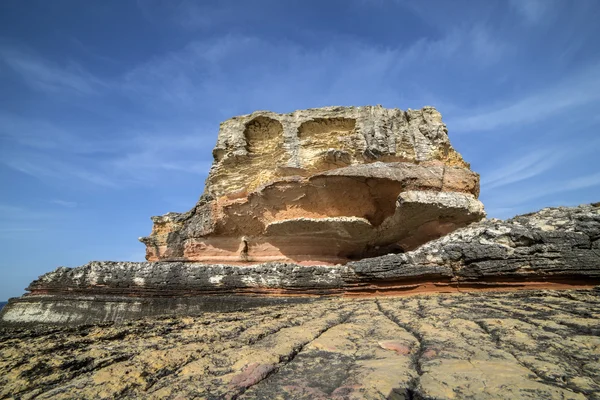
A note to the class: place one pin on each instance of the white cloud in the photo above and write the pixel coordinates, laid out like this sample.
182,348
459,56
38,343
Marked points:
525,167
190,15
16,220
198,77
46,76
536,161
44,167
486,48
64,203
532,11
10,212
198,73
570,185
269,73
580,89
581,182
13,230
539,189
44,135
138,165
51,152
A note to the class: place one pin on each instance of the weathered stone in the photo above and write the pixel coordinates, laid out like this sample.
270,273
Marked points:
342,202
262,147
536,345
323,185
551,248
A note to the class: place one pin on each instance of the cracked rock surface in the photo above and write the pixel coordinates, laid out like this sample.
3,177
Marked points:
534,345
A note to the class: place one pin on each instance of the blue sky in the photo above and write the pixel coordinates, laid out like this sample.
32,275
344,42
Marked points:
109,109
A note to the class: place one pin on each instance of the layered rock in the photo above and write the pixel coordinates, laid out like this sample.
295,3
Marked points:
321,186
556,248
527,345
369,189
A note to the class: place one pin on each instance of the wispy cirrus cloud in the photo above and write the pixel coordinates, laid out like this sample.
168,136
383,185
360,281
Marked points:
155,154
517,183
64,203
532,11
196,74
45,168
199,73
192,15
582,88
198,79
45,135
543,193
525,167
534,161
15,220
17,229
545,188
44,75
9,212
138,156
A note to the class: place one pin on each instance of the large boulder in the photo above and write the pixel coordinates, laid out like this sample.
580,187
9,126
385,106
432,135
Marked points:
325,186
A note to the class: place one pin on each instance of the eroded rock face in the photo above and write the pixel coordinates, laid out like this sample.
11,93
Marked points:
262,147
323,186
553,248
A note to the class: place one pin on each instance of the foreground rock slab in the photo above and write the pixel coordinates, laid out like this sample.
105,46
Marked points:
324,185
534,345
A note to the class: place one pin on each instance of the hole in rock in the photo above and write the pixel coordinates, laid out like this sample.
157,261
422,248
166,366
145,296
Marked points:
319,135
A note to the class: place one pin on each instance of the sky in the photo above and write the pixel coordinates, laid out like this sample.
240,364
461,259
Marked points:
109,109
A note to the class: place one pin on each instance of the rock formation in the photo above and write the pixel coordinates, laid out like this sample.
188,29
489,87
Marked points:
323,186
553,248
525,345
302,211
347,201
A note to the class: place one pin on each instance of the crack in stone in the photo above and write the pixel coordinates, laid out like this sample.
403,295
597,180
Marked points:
289,358
251,341
583,314
499,344
416,360
60,381
288,324
555,312
411,391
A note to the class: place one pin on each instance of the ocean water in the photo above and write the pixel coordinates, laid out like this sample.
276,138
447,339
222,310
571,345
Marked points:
2,304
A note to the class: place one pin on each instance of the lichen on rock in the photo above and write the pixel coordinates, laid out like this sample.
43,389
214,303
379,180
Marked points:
528,345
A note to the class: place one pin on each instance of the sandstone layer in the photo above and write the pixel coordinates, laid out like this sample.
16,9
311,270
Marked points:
525,345
323,185
555,247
